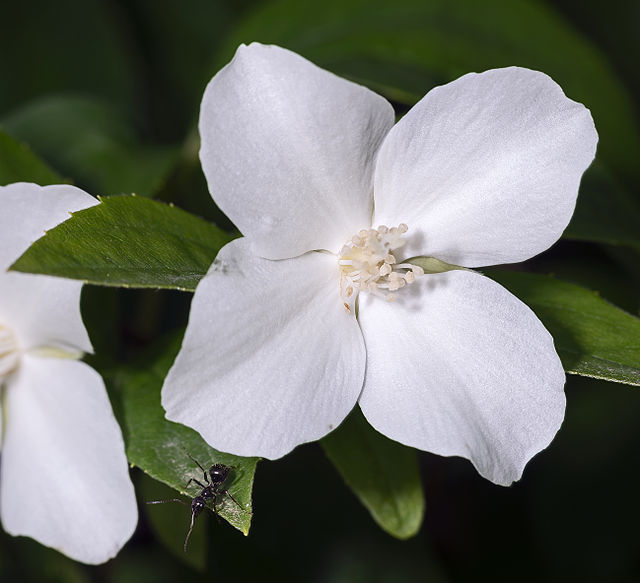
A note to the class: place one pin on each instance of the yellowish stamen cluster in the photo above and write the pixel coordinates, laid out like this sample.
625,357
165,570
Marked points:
367,263
9,353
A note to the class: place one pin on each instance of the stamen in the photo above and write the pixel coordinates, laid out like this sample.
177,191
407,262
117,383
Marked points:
367,264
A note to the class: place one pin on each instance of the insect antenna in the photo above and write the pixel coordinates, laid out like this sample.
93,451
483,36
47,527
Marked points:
169,500
186,540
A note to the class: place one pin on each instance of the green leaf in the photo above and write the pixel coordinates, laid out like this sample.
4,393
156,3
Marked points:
382,473
89,140
593,337
19,164
403,48
128,241
159,447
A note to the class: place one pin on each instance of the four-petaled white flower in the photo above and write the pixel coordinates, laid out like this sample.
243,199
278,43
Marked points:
64,477
311,311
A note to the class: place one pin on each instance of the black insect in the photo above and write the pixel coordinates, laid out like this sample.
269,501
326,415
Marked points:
211,490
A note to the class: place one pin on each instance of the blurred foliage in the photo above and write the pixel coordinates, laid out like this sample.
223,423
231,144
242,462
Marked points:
66,46
89,140
105,94
19,164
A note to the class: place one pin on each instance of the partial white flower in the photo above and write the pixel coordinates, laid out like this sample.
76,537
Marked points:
316,307
64,477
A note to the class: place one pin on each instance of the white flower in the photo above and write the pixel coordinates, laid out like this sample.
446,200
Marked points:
484,170
64,477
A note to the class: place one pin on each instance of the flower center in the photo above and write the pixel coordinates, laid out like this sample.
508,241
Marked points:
367,263
9,352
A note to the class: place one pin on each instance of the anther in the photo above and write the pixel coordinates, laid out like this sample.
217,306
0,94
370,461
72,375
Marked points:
367,263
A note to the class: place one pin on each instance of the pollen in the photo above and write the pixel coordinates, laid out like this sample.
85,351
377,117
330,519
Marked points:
9,351
368,263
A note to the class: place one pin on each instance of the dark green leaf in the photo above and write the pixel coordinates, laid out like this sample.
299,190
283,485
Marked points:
381,472
88,140
593,337
19,164
159,447
128,241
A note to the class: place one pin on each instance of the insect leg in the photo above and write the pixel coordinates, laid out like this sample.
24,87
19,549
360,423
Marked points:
235,501
195,461
196,481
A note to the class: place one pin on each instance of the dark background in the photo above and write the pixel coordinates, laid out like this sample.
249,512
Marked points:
573,516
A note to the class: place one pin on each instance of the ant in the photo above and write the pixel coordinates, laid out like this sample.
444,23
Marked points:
210,491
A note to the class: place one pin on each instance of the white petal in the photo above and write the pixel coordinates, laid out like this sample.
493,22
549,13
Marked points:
270,359
462,367
288,150
64,478
41,310
486,169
